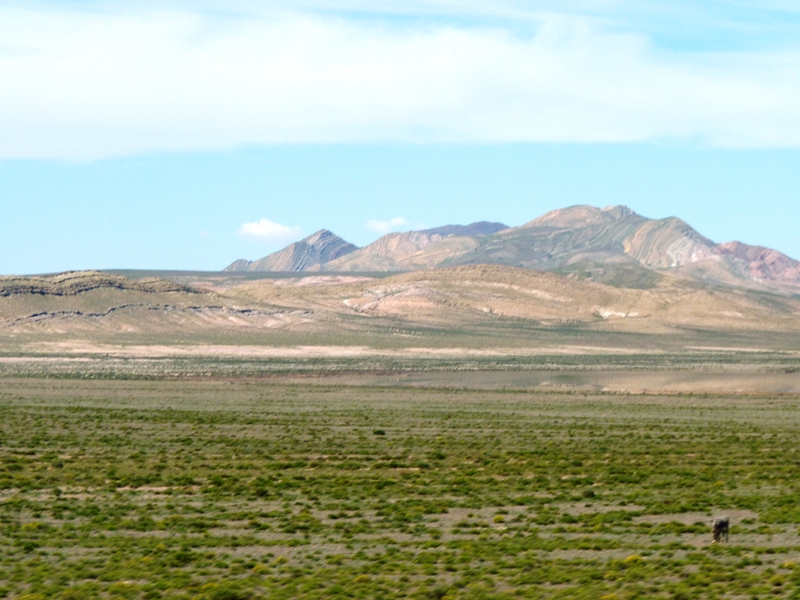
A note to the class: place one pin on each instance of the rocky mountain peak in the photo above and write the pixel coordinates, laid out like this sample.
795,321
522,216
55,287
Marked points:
579,216
620,211
309,254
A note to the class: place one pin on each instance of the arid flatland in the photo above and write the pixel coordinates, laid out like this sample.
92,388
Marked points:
222,488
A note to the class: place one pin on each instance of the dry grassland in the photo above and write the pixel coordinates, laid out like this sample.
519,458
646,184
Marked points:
228,488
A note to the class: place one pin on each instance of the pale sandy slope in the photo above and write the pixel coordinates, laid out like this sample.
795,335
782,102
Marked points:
459,296
480,307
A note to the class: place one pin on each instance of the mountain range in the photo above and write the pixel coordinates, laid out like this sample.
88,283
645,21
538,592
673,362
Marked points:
611,245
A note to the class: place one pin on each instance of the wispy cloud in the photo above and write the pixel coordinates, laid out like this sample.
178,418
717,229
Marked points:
269,231
78,84
386,226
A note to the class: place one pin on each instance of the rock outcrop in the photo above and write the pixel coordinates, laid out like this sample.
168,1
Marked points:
72,283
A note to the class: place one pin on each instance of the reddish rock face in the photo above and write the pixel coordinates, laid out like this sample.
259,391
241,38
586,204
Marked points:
762,263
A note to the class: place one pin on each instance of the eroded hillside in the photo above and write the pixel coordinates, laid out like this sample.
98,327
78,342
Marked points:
460,296
98,304
479,307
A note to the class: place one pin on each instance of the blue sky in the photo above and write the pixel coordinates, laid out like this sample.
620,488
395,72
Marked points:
186,135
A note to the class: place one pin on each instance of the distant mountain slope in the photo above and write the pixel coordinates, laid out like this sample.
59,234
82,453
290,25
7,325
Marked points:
553,241
389,253
617,234
564,237
578,239
414,250
479,228
612,245
407,251
579,216
308,254
760,262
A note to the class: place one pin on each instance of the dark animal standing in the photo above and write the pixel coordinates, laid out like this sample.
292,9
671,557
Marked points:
721,526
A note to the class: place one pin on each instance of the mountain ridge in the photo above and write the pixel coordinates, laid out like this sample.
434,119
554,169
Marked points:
306,255
477,228
575,238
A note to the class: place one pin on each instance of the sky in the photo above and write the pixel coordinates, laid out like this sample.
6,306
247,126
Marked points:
177,135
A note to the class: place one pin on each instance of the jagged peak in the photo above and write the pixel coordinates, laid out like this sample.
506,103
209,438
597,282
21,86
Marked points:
307,254
323,236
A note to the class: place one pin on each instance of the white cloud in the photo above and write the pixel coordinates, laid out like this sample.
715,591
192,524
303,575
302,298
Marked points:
386,226
79,84
268,231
